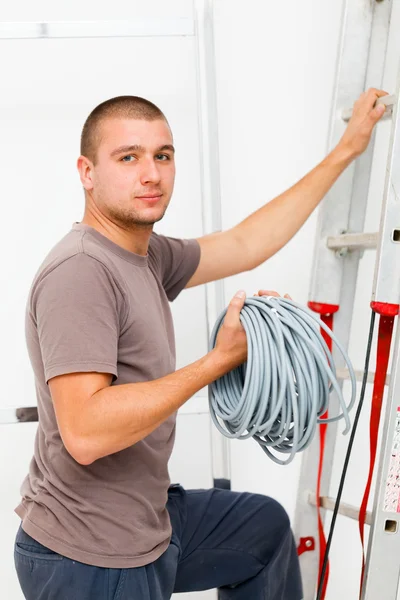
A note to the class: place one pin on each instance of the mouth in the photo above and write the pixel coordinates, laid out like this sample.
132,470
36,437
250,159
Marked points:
150,198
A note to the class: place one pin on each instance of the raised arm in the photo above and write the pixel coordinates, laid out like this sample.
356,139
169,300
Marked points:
266,231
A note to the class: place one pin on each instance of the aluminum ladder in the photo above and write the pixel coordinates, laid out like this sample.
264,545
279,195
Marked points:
369,56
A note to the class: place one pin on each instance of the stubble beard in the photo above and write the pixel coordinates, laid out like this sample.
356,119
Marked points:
133,220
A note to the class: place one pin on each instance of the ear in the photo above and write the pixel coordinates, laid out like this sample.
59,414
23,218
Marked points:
85,168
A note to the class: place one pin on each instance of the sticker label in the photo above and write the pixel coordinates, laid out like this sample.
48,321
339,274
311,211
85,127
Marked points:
391,502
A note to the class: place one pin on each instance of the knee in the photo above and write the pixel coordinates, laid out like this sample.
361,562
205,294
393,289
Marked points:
272,513
271,529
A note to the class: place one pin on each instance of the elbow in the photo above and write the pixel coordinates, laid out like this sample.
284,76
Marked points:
83,459
79,449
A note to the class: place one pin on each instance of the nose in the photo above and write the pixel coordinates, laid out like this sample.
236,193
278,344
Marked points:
149,172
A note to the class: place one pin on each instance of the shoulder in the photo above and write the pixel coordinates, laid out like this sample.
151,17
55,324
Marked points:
74,257
165,249
74,278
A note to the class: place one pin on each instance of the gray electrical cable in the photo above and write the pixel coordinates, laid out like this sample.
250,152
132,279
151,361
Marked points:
278,396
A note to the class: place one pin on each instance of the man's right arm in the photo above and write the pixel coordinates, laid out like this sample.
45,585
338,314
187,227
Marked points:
96,419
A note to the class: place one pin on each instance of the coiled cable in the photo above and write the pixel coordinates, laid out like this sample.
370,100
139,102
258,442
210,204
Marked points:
278,396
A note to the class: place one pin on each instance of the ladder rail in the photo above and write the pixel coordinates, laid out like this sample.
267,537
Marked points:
383,563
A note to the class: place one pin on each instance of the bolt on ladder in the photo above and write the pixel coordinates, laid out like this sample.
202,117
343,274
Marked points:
369,56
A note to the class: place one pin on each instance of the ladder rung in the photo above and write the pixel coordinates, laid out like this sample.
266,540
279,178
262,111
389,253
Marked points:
344,509
355,241
344,374
387,101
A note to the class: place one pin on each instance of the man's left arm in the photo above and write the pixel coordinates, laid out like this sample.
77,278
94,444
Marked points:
267,230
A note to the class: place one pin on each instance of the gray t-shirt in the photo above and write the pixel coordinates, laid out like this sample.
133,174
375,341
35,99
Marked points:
95,306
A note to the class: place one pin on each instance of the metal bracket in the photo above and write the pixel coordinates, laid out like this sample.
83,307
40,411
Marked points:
306,544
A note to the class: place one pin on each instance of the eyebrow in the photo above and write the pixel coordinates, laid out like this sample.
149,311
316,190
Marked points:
138,148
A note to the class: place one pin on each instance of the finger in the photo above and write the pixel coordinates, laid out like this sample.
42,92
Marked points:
380,108
234,308
377,92
377,112
287,296
369,98
373,96
268,293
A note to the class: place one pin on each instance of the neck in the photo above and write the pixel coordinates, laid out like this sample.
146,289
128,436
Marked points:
135,239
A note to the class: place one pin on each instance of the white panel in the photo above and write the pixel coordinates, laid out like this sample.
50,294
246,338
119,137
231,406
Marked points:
346,557
192,442
189,315
42,113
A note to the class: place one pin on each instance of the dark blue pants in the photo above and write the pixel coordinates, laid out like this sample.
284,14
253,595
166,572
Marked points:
237,542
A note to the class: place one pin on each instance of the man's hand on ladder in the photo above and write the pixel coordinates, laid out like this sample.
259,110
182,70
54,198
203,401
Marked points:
366,113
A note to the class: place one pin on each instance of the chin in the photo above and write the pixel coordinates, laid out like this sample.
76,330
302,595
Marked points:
154,215
147,220
144,218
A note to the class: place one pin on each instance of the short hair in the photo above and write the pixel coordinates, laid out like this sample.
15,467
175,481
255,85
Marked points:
123,107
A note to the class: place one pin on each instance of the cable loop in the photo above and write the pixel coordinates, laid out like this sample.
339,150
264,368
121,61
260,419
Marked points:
278,396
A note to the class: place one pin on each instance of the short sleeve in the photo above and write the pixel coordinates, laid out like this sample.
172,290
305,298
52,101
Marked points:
177,260
76,308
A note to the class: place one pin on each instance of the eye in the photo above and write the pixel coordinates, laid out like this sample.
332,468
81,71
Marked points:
163,157
128,156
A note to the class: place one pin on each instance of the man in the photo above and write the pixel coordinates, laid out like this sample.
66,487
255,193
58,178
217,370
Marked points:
99,517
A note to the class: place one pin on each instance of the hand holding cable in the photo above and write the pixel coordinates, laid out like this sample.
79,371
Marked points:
279,394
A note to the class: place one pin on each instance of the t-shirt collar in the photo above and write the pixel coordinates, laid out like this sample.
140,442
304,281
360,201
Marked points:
136,259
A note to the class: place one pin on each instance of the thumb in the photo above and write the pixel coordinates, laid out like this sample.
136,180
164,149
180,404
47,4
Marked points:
235,306
377,112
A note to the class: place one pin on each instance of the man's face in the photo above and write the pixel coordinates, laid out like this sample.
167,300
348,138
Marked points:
133,178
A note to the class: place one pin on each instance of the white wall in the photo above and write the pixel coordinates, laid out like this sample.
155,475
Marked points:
275,71
276,65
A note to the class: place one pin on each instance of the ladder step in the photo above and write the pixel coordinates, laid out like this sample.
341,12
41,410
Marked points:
344,374
387,101
347,510
354,241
